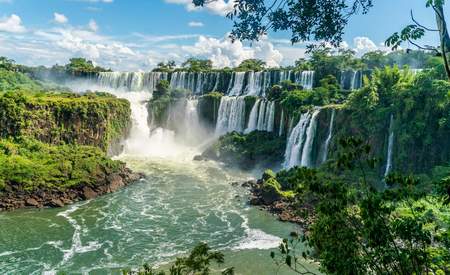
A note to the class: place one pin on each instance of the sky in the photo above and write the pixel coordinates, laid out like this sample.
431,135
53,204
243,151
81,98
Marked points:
135,35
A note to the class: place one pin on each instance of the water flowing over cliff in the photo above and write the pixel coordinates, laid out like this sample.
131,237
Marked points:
351,80
229,83
300,141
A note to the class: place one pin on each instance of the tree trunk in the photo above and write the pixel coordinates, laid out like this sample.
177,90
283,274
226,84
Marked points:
443,36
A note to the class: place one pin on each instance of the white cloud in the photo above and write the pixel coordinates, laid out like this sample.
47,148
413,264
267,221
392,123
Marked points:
363,45
195,24
12,24
93,25
219,7
60,18
225,53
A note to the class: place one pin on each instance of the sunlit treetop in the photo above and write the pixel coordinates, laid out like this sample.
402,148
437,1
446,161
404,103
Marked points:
307,20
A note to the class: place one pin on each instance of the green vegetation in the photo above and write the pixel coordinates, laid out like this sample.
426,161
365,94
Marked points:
400,230
29,165
198,262
81,66
248,151
255,65
96,119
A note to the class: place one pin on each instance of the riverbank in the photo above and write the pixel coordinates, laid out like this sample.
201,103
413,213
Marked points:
285,209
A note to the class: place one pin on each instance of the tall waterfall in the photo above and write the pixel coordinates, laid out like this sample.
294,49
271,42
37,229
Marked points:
262,116
310,135
191,123
301,140
390,147
253,119
231,115
237,84
330,135
295,142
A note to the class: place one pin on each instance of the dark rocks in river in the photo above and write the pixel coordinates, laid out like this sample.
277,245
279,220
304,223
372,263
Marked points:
15,198
200,158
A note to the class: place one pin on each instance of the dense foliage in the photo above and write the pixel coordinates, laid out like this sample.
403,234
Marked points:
248,151
360,229
95,119
30,165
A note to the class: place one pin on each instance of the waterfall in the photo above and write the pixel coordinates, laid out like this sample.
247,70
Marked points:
130,81
270,116
301,140
238,84
305,79
390,147
295,142
253,119
310,135
261,117
330,135
231,115
281,130
192,128
254,86
351,80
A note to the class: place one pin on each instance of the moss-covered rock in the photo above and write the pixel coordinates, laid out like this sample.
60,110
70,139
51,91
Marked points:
253,150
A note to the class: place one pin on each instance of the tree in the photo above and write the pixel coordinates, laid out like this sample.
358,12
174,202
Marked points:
197,65
165,67
359,229
81,66
375,59
7,64
416,30
255,65
306,19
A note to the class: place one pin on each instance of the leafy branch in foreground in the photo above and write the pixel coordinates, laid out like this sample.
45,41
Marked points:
198,262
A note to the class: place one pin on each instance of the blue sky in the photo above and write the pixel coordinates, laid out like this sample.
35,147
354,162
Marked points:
137,34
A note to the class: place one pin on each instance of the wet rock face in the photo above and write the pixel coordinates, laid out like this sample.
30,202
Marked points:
14,198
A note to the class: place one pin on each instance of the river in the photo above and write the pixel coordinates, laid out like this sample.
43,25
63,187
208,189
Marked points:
179,203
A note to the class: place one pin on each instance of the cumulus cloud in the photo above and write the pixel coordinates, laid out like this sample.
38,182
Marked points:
60,18
219,7
195,24
12,24
225,53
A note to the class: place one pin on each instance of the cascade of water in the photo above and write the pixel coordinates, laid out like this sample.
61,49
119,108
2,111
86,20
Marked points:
330,135
191,121
253,119
390,147
305,79
261,126
270,117
254,86
310,135
295,142
281,130
231,115
238,84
